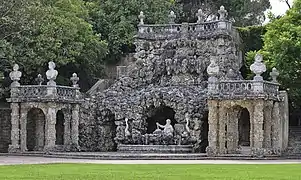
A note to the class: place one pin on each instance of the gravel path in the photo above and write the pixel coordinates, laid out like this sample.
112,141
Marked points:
14,160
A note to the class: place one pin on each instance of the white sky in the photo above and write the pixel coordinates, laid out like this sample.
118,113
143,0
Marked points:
278,7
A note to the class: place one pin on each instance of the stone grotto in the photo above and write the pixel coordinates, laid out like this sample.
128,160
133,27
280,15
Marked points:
183,94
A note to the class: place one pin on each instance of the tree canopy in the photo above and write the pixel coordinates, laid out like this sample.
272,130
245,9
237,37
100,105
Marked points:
282,47
38,31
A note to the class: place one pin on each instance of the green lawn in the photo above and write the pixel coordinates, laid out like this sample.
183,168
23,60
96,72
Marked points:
152,172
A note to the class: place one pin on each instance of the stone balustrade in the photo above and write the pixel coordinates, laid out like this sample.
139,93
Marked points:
168,31
42,93
203,28
234,89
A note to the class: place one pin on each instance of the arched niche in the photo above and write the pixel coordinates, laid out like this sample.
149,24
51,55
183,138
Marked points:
35,130
59,128
244,127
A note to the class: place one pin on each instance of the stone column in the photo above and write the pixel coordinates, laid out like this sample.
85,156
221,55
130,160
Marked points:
50,131
15,131
222,133
40,132
213,119
67,130
23,125
232,132
268,124
258,124
276,127
74,125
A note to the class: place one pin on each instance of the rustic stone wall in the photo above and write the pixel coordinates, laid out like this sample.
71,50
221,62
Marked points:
96,128
5,128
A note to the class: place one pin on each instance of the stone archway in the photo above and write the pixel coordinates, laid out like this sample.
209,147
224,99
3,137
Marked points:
244,128
160,115
59,128
35,130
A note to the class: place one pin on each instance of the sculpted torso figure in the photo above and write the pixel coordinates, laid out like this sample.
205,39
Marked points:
51,74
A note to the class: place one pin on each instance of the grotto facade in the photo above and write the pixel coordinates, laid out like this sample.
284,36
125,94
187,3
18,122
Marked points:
184,93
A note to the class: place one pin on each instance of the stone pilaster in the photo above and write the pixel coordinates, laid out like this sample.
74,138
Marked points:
213,107
23,125
276,128
15,131
50,131
74,125
258,124
40,132
268,124
232,132
223,120
67,130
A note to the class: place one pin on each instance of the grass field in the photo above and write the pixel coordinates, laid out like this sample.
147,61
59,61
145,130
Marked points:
153,172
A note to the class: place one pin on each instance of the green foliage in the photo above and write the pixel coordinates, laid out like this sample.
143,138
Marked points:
252,41
56,30
244,12
117,21
282,44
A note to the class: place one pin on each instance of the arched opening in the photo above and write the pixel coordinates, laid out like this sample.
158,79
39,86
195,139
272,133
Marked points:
35,129
59,128
160,115
204,132
244,128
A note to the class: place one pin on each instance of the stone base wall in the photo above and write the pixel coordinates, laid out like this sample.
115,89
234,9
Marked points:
5,129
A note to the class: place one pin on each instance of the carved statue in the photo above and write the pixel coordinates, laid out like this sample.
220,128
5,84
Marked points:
51,74
187,123
126,131
168,129
258,67
15,75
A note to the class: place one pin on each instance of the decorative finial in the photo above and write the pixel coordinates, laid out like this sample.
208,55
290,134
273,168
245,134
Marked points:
258,67
15,76
201,16
172,16
222,13
51,74
141,17
74,79
39,79
274,74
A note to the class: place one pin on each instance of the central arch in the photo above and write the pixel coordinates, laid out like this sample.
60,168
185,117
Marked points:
35,129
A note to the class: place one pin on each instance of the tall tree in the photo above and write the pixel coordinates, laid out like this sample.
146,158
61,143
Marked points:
282,46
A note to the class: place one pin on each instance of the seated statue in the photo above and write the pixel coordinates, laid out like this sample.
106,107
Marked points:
167,132
168,129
